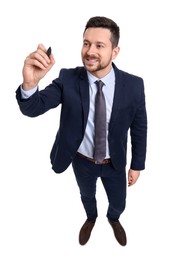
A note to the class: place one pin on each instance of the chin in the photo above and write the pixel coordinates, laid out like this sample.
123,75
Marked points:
91,68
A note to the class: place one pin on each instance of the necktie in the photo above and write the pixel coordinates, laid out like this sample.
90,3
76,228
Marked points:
100,124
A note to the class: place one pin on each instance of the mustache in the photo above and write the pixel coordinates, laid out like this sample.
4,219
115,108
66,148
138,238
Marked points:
90,57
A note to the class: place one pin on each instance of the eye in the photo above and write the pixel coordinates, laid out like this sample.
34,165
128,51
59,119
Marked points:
85,44
99,46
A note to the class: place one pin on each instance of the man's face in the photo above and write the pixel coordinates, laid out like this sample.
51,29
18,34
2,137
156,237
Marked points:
97,52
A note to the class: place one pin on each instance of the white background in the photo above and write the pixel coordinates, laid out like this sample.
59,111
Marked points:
40,211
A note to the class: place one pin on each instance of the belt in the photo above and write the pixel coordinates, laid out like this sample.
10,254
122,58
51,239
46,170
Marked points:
105,161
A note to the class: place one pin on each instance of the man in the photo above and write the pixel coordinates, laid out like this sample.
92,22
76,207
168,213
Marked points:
99,105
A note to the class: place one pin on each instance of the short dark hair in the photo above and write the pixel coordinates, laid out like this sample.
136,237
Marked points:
104,22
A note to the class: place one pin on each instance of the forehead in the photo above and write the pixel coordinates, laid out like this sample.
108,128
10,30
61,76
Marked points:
97,35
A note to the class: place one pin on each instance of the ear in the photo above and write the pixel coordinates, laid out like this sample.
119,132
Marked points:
115,52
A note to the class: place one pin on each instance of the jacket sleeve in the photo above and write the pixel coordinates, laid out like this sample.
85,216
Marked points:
41,101
138,133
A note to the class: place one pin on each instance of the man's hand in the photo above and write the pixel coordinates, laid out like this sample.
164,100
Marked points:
132,177
36,65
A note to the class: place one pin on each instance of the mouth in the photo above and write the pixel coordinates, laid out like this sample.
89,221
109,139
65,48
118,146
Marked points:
90,61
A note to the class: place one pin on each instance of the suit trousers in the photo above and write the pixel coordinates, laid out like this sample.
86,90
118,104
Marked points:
114,182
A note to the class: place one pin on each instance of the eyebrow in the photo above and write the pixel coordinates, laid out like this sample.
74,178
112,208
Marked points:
98,42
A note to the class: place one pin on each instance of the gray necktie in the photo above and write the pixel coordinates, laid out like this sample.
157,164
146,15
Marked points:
100,124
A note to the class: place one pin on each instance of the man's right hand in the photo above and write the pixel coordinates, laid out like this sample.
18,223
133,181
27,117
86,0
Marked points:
36,65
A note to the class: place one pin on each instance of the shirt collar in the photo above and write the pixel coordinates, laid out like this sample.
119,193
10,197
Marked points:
110,77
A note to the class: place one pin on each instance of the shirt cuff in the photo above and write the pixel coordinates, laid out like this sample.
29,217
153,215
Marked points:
27,93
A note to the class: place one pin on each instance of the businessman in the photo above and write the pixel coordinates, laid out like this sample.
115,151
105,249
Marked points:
100,104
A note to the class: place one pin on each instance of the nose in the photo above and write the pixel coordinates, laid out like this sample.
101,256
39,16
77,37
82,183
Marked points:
91,49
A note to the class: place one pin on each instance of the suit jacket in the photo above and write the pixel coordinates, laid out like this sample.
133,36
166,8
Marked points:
71,90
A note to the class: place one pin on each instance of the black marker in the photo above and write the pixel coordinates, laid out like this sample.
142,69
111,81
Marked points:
49,52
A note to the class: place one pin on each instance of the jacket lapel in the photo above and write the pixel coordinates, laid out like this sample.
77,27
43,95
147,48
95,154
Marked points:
84,93
117,95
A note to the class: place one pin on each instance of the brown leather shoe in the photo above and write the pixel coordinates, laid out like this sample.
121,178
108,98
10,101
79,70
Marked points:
85,232
119,232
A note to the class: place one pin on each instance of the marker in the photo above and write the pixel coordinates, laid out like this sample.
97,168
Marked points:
49,52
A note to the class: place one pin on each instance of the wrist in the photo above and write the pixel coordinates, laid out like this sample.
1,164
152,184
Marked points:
28,86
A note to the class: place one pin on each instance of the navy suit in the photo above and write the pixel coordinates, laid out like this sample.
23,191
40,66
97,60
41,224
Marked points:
71,90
